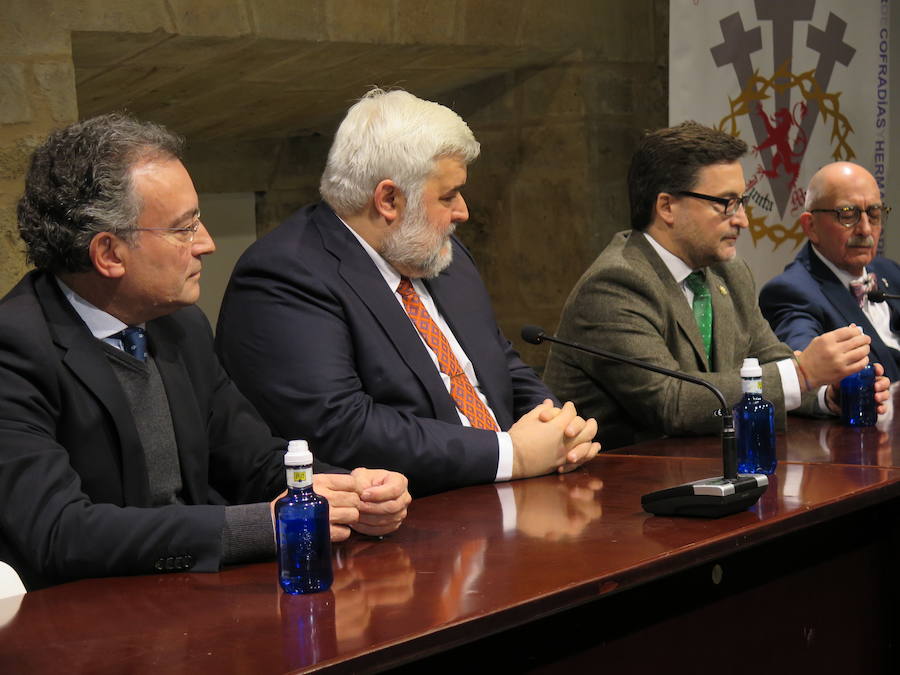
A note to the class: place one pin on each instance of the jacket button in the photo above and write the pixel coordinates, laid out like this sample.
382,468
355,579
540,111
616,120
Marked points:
160,564
188,561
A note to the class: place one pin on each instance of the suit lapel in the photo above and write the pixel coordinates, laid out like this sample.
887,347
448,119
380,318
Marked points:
85,359
845,304
884,284
724,321
895,310
838,294
675,298
357,269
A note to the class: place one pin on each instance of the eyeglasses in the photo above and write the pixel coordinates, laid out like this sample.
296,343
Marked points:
848,216
730,204
184,234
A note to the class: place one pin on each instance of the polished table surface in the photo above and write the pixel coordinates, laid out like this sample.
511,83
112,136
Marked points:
805,440
463,566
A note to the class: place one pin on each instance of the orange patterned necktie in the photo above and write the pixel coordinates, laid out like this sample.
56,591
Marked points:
461,389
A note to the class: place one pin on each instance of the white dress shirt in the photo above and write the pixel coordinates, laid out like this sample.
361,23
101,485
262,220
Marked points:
101,324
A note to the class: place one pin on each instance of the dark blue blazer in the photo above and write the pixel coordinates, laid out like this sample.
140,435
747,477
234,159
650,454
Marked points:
317,341
807,299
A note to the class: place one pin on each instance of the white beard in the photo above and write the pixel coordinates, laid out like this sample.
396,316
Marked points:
415,244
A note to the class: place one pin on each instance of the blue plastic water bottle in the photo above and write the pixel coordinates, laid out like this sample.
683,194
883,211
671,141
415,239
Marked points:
754,419
304,536
858,407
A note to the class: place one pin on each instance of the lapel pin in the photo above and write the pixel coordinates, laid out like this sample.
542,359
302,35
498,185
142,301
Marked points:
885,282
723,290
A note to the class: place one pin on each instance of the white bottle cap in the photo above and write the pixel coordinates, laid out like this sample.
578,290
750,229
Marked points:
751,368
298,454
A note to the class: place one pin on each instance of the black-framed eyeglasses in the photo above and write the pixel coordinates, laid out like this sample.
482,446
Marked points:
185,234
730,204
848,216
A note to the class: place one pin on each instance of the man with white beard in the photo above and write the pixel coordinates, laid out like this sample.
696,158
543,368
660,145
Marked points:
362,324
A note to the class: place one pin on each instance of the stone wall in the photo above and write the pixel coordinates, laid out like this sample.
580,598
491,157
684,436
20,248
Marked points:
557,99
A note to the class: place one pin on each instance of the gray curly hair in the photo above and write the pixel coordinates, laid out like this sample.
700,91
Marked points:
79,184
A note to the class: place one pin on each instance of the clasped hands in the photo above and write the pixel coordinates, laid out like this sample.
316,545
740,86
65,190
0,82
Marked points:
831,357
370,501
548,439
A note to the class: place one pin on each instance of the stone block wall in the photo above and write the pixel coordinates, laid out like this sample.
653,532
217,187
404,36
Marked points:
557,95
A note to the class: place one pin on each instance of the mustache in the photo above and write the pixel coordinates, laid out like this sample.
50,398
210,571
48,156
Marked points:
861,240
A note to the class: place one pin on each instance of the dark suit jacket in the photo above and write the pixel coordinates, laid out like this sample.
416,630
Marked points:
73,482
318,342
628,302
807,299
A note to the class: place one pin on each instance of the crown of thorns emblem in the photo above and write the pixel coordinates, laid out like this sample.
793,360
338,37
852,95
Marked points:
782,137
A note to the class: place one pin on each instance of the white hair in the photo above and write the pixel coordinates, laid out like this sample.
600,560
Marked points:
390,135
812,195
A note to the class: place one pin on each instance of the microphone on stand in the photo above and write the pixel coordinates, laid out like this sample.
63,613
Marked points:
706,498
878,296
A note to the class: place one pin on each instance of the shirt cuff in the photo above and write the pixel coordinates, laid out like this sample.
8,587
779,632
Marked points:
790,384
820,400
504,456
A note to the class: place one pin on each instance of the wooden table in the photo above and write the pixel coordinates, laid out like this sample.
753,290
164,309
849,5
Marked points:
818,440
582,576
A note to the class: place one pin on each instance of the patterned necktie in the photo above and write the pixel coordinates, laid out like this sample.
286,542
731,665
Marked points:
461,389
134,341
860,288
702,307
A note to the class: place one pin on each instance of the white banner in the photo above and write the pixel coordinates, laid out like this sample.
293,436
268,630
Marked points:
803,82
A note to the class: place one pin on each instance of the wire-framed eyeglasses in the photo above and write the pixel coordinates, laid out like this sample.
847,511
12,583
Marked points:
185,234
729,204
848,216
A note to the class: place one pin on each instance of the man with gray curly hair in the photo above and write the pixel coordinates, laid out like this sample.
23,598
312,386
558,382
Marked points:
363,324
124,447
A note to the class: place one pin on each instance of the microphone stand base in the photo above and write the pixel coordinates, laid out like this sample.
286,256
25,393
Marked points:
707,498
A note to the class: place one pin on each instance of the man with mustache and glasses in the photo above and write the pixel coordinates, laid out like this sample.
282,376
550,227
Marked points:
124,447
826,285
670,292
362,323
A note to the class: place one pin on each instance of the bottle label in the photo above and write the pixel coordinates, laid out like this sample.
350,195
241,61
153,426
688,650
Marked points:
752,386
299,477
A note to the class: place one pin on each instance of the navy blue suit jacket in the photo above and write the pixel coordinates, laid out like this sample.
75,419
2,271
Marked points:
807,299
317,341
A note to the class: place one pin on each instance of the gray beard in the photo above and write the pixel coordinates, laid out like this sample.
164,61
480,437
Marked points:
414,246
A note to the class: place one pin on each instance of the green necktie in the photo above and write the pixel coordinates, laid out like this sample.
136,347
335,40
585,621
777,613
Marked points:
702,307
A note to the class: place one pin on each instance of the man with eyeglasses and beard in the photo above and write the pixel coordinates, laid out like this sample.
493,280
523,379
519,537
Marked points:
827,284
362,322
670,292
124,447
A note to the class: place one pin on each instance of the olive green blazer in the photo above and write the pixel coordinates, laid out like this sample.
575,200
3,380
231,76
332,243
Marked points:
628,302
